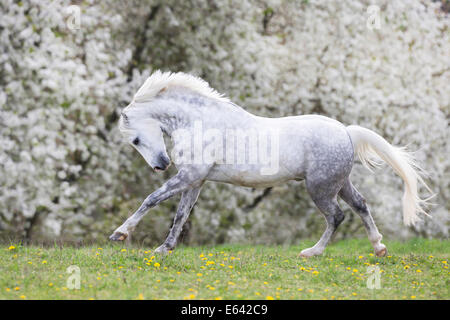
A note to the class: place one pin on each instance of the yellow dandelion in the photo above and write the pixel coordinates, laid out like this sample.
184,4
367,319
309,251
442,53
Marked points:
199,274
413,297
50,284
11,248
156,264
140,296
44,262
418,270
269,298
123,250
23,297
17,288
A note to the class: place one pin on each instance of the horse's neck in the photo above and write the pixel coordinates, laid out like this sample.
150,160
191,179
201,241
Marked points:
171,117
183,115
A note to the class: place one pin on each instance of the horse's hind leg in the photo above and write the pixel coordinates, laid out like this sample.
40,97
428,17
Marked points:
357,202
324,195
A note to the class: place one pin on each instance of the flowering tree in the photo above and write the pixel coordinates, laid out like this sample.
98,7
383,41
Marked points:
67,71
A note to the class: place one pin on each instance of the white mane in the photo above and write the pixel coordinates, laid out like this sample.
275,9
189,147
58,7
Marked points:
160,81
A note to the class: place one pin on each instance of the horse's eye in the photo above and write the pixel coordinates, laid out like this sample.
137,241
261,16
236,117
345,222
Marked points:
136,141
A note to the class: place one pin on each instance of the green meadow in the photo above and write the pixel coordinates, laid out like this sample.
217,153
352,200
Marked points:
416,269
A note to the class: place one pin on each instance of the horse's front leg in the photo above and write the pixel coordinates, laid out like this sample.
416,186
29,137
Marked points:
187,202
173,186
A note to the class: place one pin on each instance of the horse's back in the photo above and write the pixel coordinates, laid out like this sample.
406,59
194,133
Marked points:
312,144
309,145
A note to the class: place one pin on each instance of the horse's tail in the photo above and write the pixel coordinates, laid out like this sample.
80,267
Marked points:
370,146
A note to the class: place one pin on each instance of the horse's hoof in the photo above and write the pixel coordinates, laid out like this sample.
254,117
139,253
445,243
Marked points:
162,250
308,253
382,252
118,236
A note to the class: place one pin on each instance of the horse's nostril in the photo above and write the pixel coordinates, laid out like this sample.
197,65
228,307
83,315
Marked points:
159,168
164,161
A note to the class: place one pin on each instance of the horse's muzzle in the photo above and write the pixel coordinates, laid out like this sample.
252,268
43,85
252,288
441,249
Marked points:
163,163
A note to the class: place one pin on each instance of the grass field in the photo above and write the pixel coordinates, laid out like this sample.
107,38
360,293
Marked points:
417,269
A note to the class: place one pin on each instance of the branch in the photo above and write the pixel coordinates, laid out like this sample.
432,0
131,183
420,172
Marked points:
141,40
258,199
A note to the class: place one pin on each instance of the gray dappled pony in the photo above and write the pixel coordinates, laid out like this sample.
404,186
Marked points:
313,148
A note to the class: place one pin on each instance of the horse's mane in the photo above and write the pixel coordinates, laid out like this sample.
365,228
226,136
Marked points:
160,81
